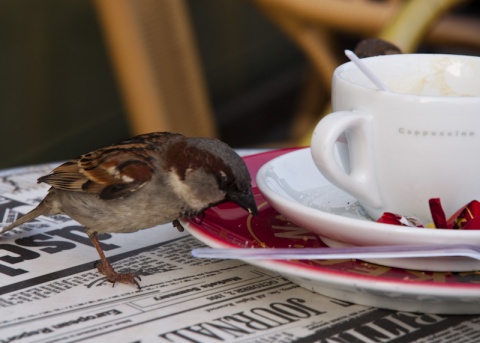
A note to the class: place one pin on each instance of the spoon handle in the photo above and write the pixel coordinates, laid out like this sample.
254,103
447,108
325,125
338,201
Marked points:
368,73
392,251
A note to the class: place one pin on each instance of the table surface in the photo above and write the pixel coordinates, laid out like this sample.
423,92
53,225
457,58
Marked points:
50,290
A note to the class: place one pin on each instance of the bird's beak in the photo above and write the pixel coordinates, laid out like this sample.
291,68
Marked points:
245,201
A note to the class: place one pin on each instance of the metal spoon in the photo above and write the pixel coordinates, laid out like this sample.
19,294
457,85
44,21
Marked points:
390,251
368,73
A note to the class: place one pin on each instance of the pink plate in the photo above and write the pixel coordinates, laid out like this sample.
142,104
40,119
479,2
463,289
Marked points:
355,281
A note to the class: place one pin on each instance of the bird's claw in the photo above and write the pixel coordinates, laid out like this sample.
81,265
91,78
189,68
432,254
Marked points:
112,276
178,226
126,278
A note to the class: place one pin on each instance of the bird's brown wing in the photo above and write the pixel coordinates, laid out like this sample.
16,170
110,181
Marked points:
111,172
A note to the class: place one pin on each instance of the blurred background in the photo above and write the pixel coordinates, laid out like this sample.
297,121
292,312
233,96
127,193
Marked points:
80,74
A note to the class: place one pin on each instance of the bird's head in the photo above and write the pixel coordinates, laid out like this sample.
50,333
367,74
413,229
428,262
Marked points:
208,172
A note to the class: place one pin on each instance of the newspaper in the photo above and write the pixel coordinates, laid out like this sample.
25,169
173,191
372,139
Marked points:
50,290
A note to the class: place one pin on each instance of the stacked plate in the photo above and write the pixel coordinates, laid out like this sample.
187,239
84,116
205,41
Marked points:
298,207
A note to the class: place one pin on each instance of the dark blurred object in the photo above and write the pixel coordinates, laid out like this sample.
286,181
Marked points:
58,97
375,47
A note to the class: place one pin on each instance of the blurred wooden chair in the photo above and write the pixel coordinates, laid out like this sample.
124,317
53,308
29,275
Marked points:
309,24
157,65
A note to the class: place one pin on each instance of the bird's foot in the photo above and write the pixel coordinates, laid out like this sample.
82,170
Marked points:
112,276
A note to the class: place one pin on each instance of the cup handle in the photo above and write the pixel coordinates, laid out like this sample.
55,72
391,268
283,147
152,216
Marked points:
360,180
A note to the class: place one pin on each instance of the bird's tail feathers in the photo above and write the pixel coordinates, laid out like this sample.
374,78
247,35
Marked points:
41,209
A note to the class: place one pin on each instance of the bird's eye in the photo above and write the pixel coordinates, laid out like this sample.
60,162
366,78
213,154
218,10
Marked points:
226,184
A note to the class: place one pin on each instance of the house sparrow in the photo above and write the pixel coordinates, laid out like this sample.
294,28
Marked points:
144,181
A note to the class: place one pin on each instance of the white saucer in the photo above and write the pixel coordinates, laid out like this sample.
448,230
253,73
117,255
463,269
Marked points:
294,187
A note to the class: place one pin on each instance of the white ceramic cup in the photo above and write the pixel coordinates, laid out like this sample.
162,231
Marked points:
421,140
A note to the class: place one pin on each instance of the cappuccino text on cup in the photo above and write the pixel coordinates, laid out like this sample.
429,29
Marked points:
418,141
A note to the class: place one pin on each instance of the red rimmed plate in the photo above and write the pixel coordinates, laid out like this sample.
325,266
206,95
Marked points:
355,281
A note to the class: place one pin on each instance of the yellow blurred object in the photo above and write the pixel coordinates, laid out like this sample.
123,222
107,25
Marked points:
157,65
413,22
